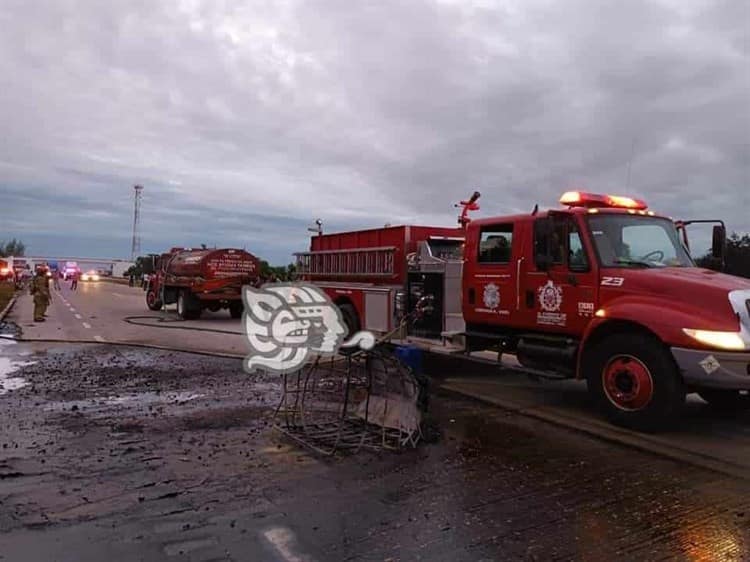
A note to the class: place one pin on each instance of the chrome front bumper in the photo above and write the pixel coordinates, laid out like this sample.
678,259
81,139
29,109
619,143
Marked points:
714,369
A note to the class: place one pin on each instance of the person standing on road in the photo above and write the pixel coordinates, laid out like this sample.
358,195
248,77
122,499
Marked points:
74,281
40,291
56,279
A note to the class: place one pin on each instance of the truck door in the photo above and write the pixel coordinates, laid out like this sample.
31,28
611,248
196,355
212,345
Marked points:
563,297
490,283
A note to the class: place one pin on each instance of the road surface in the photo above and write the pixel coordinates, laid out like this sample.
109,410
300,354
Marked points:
113,312
122,453
111,453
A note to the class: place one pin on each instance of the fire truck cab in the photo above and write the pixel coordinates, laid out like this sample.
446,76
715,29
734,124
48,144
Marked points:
603,290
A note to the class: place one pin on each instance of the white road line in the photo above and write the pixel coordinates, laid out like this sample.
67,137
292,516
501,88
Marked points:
99,338
119,296
282,539
87,325
72,309
78,317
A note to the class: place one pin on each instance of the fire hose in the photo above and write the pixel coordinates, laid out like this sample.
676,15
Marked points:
423,307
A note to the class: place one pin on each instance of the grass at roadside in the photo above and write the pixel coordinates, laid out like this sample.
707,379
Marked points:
6,293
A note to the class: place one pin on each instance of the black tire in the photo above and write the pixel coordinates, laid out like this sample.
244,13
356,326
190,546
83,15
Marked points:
152,301
188,307
236,309
635,382
725,400
351,322
351,319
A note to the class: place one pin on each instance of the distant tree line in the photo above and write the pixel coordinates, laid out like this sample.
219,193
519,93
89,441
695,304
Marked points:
738,255
137,270
12,248
278,273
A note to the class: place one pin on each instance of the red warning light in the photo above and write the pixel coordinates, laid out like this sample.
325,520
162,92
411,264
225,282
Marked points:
594,200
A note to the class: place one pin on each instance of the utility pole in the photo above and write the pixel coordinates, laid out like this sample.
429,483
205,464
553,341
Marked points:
135,248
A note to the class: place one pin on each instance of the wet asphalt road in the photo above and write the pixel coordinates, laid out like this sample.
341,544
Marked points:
116,454
113,312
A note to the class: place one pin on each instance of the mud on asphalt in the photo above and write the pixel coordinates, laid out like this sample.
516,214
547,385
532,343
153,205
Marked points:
126,454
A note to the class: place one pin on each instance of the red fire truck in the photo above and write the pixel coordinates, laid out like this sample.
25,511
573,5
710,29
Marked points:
6,271
200,279
602,289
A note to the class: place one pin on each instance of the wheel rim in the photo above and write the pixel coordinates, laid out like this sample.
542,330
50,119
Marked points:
628,383
150,298
180,305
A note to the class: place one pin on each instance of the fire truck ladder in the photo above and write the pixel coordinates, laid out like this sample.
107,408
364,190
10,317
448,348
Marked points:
355,262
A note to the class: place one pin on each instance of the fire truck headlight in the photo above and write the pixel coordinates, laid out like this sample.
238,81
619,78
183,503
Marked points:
722,340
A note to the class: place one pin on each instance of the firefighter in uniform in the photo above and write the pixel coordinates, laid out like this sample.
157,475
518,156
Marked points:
40,291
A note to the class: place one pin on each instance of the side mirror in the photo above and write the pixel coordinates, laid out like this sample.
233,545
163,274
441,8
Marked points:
543,229
719,243
719,247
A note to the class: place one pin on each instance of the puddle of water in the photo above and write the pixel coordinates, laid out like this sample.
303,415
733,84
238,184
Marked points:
128,400
8,366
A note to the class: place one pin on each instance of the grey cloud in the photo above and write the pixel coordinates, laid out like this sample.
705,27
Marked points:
245,121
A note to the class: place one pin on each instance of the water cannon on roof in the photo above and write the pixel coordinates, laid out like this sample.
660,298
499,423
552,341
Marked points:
466,207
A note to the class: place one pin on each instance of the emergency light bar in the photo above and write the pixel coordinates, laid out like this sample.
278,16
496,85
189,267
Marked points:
594,200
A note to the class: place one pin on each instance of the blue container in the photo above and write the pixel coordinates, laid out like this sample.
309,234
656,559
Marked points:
411,356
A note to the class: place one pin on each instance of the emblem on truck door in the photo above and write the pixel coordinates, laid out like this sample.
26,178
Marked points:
550,300
286,324
491,296
550,297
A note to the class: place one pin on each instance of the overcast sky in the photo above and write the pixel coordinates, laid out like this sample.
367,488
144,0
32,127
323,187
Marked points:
245,121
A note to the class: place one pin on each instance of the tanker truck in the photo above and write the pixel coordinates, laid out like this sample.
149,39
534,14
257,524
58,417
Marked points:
200,279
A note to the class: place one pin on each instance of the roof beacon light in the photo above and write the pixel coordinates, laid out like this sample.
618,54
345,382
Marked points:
594,200
571,198
626,202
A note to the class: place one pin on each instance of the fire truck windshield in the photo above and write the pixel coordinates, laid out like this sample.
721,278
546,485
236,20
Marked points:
637,241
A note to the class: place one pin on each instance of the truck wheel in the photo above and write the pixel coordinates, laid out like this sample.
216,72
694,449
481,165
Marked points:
727,400
351,322
635,382
236,309
351,319
152,301
187,307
